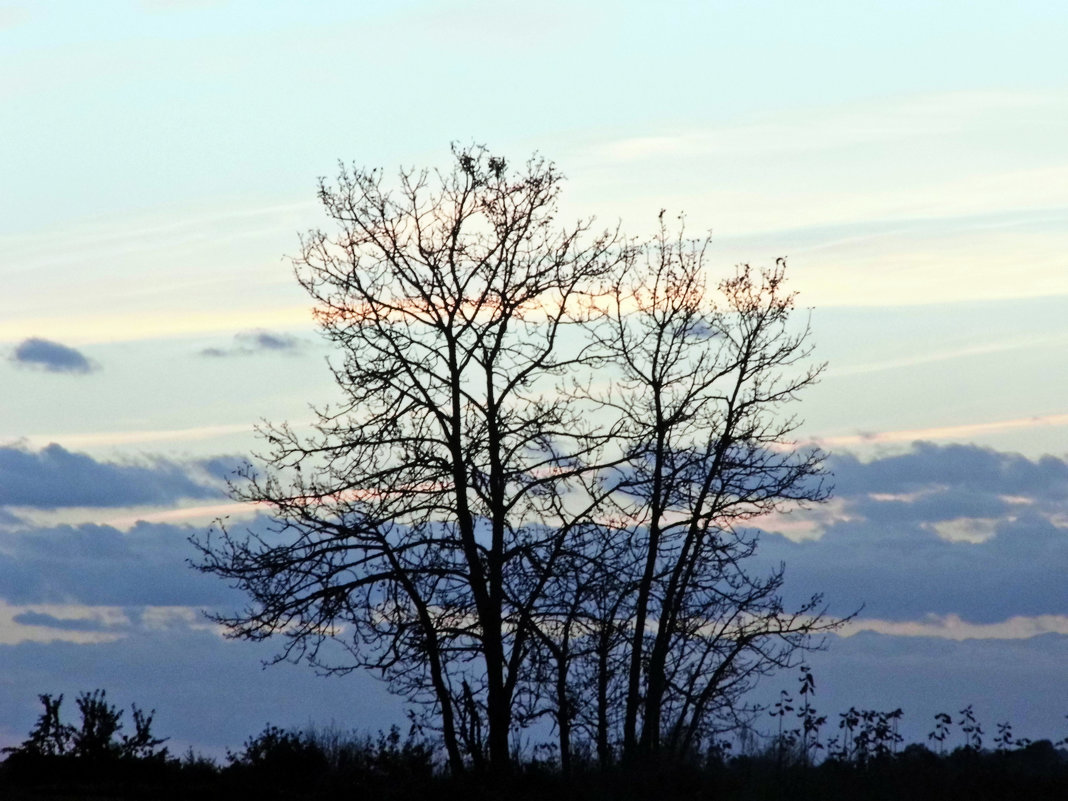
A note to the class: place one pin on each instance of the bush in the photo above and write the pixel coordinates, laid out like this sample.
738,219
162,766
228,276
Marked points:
95,750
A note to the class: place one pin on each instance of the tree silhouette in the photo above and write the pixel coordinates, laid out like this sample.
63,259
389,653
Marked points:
531,499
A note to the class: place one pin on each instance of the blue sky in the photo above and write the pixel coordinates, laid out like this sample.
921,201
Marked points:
161,156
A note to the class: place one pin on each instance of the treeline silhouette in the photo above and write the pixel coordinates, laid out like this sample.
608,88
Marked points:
863,756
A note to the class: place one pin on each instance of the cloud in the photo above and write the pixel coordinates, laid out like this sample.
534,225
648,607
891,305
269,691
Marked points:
944,432
61,622
927,466
953,627
948,621
940,530
8,519
908,118
55,477
906,572
222,467
94,565
247,343
80,623
45,620
51,356
98,438
125,519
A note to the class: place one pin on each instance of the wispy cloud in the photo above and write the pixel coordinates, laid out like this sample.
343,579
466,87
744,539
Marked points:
208,275
179,5
93,439
942,203
833,129
125,519
934,356
247,343
962,431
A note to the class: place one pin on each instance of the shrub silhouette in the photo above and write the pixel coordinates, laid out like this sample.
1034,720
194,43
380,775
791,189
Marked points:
278,756
94,750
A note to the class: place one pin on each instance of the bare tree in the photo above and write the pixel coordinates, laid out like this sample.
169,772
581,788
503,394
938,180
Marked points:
528,501
401,525
702,381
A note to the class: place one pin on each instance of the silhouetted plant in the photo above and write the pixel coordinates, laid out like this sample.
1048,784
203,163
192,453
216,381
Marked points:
811,723
1003,739
98,736
101,723
943,722
880,731
193,762
49,736
280,755
142,744
785,739
719,751
414,756
969,726
95,752
847,723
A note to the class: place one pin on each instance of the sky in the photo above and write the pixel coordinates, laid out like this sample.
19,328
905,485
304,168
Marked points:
160,159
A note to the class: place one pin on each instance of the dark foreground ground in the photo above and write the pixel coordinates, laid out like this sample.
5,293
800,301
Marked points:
1036,773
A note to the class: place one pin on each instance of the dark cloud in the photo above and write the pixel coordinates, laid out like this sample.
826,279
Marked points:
893,548
931,506
223,468
55,477
103,566
890,553
907,571
265,340
61,623
887,553
972,467
50,356
247,343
